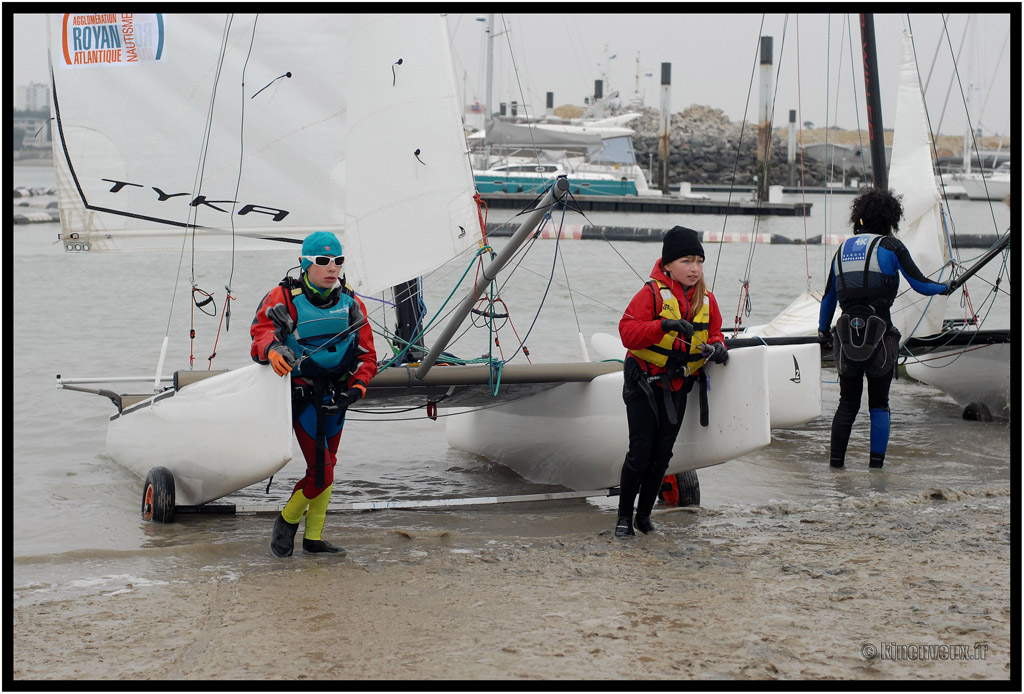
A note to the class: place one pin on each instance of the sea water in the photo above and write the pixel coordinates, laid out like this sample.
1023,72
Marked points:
76,513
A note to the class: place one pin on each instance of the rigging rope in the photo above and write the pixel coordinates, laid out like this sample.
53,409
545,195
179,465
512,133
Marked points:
800,143
739,151
856,111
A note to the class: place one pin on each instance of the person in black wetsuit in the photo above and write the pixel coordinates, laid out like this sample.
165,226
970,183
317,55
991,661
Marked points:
863,279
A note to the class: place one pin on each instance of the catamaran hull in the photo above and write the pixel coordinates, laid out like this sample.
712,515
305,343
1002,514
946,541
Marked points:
216,435
794,377
575,435
794,383
971,375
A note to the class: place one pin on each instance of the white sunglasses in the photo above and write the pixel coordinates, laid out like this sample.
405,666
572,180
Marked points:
324,259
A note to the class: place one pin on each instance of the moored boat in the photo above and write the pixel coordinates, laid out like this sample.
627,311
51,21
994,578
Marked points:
992,185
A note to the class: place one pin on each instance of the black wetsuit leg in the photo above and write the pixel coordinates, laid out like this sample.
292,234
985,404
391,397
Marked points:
651,439
851,388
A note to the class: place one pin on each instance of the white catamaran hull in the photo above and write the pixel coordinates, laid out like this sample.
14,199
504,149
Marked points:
794,378
237,426
794,383
971,375
575,434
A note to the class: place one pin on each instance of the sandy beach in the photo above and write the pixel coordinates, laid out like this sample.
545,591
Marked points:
913,588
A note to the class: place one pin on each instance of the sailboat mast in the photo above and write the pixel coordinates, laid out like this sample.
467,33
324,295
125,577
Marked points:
556,192
968,157
490,69
874,102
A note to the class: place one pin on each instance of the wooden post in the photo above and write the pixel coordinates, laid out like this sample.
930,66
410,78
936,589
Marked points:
764,125
666,121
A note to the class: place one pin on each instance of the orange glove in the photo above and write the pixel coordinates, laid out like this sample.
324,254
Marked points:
281,358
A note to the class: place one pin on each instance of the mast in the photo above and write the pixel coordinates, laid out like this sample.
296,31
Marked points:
490,68
879,169
968,156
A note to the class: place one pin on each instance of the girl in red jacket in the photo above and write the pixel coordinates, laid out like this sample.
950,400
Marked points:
670,328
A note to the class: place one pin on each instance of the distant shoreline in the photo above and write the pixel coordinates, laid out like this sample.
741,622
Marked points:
33,162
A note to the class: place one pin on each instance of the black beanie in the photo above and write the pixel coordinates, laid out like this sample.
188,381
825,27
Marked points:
680,241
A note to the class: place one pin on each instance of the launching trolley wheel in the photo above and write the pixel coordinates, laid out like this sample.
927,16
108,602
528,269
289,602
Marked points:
158,496
977,412
681,489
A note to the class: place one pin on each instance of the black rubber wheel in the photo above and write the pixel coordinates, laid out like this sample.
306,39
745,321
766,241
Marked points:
158,496
689,488
683,489
977,412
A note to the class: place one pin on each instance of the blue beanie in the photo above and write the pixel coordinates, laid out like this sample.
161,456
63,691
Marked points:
320,243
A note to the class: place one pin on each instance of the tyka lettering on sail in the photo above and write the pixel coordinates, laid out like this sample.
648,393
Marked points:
275,213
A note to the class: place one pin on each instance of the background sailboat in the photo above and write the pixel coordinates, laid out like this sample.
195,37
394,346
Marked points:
975,367
971,367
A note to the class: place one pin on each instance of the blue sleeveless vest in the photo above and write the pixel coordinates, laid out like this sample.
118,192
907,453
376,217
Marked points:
323,336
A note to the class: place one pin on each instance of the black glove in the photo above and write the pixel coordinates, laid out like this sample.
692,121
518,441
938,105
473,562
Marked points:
682,327
825,340
719,354
349,397
341,401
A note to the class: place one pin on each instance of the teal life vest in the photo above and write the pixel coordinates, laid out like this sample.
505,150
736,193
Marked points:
325,338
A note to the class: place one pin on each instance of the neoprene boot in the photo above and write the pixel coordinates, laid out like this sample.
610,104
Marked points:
624,527
644,524
653,479
282,541
320,546
876,459
842,424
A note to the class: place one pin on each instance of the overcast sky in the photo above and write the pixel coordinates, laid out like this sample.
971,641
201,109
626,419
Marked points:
713,57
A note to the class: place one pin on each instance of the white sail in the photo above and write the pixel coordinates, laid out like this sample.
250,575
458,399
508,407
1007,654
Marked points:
409,204
243,125
911,175
800,318
247,130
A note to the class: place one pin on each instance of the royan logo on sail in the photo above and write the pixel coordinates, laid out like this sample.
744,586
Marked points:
99,40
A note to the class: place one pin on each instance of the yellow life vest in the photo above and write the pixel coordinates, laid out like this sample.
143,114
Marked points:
662,353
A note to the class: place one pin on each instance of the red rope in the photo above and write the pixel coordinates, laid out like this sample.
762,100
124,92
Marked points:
216,341
969,315
481,213
744,297
192,326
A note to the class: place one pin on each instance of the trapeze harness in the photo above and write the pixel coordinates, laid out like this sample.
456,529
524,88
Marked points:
863,338
324,341
678,363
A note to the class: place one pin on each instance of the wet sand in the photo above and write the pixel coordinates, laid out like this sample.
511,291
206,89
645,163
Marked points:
774,592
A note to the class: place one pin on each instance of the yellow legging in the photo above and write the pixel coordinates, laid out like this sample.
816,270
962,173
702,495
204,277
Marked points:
315,515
